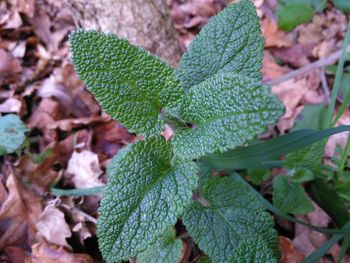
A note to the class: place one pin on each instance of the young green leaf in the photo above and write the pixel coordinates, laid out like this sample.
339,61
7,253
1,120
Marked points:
132,85
147,190
226,110
166,249
290,197
12,133
311,117
231,42
293,14
234,219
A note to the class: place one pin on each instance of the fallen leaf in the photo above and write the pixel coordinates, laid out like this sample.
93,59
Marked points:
271,69
85,168
295,93
53,226
20,210
11,105
289,254
49,253
15,254
274,37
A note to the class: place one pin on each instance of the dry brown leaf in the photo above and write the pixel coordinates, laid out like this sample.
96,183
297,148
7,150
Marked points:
289,254
271,69
8,64
323,31
53,226
11,105
15,254
85,168
48,253
274,37
295,93
14,212
19,212
296,55
69,124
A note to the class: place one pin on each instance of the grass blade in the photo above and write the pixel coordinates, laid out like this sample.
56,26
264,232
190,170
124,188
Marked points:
78,192
262,153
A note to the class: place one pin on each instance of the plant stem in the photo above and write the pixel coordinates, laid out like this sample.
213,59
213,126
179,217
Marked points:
344,157
337,81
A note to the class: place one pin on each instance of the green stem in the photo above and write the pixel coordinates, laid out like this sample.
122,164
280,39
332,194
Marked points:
344,157
344,247
337,82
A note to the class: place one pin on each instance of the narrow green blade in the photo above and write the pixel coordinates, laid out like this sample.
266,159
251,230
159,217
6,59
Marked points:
262,153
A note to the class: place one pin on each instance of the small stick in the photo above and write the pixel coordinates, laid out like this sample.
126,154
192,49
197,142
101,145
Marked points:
323,62
325,86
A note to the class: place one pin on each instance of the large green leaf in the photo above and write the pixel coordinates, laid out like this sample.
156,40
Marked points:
132,85
226,110
234,219
231,42
12,133
166,249
147,190
290,197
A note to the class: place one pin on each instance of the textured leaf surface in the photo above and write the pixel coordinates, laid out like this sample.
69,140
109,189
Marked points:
226,110
261,253
12,133
290,197
231,42
166,249
144,195
233,220
132,85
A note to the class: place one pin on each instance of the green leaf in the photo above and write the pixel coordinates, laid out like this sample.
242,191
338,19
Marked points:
132,85
260,154
12,133
146,192
166,249
308,157
311,117
226,110
290,197
317,5
261,254
257,176
231,42
343,5
234,225
293,14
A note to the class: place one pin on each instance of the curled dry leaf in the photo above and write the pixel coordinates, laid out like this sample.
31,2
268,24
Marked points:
274,37
53,226
19,211
85,168
49,253
289,254
295,93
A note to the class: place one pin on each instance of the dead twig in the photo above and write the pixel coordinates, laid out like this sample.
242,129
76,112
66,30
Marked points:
323,62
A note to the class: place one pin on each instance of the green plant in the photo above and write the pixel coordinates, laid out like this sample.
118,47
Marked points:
215,103
12,133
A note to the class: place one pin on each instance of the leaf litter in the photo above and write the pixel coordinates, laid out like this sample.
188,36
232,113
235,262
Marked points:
38,83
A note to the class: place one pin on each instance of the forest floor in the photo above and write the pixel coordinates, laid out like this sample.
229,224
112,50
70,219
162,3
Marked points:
38,83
